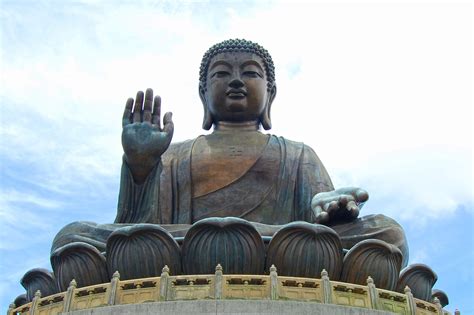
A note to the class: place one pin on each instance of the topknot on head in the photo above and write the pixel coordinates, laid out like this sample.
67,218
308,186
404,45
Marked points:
237,45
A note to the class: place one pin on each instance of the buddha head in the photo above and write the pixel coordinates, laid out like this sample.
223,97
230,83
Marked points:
237,84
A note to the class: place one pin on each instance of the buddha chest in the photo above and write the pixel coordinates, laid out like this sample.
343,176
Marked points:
221,158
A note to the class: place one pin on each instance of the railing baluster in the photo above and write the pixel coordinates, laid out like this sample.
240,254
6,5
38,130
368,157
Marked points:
11,307
373,294
69,296
218,275
113,288
327,287
273,283
34,305
164,285
410,301
438,305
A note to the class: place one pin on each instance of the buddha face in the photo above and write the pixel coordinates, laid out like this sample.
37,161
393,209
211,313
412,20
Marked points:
236,88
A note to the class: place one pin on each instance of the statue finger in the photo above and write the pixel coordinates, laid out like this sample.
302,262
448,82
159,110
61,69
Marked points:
168,125
156,116
344,199
147,105
354,212
137,109
331,206
352,206
361,195
127,113
321,218
353,209
317,210
322,195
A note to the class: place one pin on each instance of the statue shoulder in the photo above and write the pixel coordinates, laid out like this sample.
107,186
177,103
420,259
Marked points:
178,150
297,146
304,152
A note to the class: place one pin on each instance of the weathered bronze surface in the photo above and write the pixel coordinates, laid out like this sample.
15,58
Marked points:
374,258
37,279
142,250
302,249
79,261
236,171
441,296
233,243
420,278
20,300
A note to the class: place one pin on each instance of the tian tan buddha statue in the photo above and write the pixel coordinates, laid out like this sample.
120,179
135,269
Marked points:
237,196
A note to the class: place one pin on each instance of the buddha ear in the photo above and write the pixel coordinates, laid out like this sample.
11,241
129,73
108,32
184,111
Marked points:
265,118
207,120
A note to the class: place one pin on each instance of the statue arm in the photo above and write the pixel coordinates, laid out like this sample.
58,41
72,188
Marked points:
312,178
139,203
144,141
332,206
317,199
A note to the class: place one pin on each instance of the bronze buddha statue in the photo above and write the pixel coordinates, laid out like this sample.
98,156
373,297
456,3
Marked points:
235,171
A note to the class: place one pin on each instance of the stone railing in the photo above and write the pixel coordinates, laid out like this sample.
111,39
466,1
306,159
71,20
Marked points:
220,286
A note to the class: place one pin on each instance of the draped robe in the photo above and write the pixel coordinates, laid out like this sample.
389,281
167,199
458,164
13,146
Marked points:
276,189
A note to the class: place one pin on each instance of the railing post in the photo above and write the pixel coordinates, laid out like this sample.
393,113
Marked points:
11,307
34,305
165,275
273,283
439,307
373,294
218,275
69,296
410,301
113,288
327,287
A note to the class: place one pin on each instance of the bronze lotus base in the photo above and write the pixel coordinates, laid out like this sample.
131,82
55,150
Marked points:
298,249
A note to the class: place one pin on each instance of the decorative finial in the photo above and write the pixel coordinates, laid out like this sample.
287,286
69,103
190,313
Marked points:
11,307
165,269
324,273
73,283
218,267
116,275
38,294
273,268
457,312
407,289
370,280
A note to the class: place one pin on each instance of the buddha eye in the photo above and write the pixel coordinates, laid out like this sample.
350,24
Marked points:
220,74
252,74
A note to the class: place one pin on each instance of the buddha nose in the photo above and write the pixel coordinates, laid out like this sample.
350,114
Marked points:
236,82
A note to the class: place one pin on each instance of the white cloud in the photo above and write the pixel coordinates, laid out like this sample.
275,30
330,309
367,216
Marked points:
20,214
13,196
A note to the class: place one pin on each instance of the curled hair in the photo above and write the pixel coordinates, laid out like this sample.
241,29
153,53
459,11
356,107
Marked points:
237,45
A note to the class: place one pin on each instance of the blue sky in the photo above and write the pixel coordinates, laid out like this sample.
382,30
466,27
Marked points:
382,91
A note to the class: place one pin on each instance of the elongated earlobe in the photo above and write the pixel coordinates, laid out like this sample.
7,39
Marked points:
265,118
207,120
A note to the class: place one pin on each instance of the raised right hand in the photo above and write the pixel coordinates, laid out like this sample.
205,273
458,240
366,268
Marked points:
143,139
